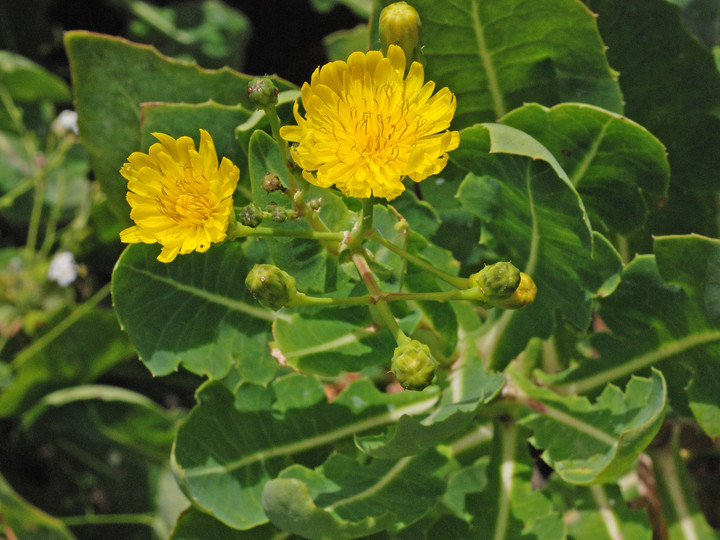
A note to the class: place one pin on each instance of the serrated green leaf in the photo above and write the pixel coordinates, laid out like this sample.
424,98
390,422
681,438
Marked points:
196,525
469,388
330,341
112,77
195,311
655,56
509,507
536,218
599,512
342,499
665,308
617,166
20,519
495,56
229,446
589,444
470,479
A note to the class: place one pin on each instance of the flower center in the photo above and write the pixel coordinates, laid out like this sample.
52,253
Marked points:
190,208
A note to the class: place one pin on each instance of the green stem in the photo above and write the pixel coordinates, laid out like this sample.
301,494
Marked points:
274,120
381,305
455,281
108,519
35,215
439,296
44,340
243,230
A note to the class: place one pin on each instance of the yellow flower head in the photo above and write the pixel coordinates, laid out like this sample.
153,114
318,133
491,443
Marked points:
179,196
366,127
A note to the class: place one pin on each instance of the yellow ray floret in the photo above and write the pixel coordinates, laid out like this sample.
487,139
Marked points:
179,196
366,126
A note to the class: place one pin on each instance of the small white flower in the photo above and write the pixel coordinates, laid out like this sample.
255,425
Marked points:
63,269
65,122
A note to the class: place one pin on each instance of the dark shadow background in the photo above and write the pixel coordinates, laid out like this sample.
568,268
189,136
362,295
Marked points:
286,40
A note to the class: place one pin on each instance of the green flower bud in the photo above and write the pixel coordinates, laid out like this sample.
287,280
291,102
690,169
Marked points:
314,204
271,286
251,215
262,93
400,25
413,365
277,213
497,281
271,182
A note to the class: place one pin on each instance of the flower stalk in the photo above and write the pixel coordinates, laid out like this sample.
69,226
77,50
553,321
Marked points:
381,306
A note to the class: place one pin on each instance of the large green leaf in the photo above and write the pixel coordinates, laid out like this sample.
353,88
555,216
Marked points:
195,311
617,166
21,520
535,217
331,341
665,308
588,444
230,445
495,56
656,58
342,499
112,77
509,508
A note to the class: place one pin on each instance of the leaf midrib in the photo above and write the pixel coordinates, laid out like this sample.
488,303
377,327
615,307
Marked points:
313,442
487,62
235,305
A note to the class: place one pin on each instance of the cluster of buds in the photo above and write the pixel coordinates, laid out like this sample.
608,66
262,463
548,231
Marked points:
251,215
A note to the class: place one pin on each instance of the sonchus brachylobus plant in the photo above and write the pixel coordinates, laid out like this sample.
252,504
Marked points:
406,275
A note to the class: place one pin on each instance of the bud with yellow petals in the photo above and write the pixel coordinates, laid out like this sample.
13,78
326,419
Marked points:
400,25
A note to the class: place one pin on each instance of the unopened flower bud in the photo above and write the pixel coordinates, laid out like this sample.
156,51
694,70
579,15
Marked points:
413,365
497,281
271,287
400,25
262,93
251,215
271,182
277,213
314,204
523,295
